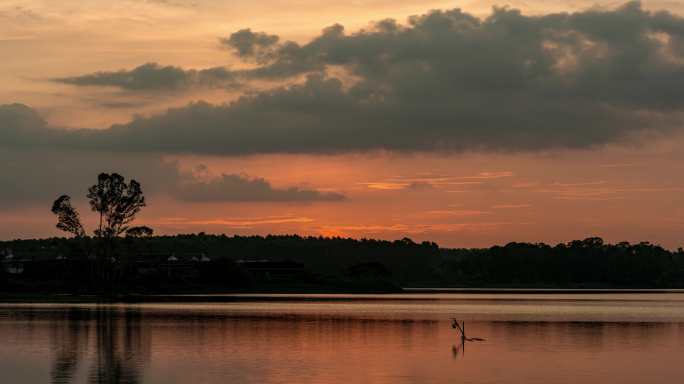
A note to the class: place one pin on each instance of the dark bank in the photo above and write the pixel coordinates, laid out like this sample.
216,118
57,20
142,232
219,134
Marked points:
204,263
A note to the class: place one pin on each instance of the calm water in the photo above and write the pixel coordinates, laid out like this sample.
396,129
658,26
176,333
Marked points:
533,338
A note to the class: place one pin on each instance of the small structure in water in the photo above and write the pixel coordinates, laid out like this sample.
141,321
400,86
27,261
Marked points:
461,328
460,348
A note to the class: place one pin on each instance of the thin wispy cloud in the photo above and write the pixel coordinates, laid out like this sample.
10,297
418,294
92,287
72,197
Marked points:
525,184
434,181
416,229
385,186
458,212
152,77
490,175
618,165
242,188
511,206
236,222
600,191
580,184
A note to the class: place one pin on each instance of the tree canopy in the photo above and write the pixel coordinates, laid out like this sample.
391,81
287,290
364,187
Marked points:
116,202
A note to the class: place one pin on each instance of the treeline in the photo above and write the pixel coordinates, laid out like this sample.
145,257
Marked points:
308,263
233,263
588,263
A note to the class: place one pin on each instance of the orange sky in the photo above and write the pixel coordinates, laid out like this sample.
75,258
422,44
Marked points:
620,190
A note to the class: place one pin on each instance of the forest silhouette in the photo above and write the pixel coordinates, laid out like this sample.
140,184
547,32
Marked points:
120,258
219,263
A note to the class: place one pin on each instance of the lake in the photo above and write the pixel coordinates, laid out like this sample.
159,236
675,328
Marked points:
397,338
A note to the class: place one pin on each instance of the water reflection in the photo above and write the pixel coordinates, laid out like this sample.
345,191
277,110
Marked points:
458,349
589,336
116,336
120,347
215,343
70,342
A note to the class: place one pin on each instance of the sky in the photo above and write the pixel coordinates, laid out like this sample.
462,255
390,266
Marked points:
468,123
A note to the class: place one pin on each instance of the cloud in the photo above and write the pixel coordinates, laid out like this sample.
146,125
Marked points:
237,222
31,177
618,165
29,147
385,186
599,191
431,182
511,206
241,188
20,124
445,81
420,186
399,185
154,77
414,229
490,175
172,3
248,44
458,212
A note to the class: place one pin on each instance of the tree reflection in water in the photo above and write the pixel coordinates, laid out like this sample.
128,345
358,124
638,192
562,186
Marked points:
69,336
119,350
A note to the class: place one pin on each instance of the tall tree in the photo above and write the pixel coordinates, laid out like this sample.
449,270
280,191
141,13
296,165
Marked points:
116,202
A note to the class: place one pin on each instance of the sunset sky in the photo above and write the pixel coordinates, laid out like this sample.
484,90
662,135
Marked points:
467,123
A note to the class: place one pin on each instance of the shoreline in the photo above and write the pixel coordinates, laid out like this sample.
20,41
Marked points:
298,295
543,290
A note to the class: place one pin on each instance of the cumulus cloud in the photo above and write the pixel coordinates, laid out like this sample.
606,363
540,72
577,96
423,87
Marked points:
443,81
155,77
241,188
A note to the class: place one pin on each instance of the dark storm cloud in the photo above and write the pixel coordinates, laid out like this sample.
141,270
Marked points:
241,188
154,77
445,81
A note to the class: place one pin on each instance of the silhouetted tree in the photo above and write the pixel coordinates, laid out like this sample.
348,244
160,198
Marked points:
67,217
117,204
